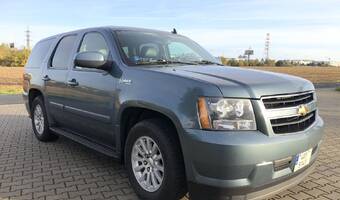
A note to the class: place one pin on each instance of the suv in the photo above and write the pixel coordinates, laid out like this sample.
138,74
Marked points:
177,118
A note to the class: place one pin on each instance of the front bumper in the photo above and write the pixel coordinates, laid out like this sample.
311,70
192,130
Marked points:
242,163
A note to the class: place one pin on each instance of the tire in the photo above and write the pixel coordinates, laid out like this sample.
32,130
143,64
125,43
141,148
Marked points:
40,122
169,185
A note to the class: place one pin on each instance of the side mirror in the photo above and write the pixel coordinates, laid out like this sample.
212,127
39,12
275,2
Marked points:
92,59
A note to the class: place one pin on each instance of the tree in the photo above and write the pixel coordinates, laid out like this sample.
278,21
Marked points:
279,63
13,57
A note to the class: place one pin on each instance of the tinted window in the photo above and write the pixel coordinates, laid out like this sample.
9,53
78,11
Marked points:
39,54
178,50
63,53
144,48
94,42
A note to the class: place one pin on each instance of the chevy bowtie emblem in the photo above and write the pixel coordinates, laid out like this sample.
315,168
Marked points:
303,110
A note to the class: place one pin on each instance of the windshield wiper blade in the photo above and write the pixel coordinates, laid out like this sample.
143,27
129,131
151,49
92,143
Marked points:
179,62
165,62
207,62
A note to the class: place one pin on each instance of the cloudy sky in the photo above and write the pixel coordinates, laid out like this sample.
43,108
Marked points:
299,29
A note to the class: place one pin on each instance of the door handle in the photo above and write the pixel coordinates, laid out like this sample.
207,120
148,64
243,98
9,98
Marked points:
46,78
72,82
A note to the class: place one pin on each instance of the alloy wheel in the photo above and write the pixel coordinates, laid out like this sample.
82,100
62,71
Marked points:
39,121
147,164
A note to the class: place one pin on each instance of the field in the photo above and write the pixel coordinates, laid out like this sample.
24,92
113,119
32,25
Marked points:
314,74
11,77
11,80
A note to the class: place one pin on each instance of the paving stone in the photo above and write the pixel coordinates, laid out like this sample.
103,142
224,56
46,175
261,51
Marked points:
333,196
301,196
30,169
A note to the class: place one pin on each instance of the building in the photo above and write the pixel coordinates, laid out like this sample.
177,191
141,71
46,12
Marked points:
302,62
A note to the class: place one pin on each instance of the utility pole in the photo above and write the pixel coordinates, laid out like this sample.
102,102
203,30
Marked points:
266,47
28,38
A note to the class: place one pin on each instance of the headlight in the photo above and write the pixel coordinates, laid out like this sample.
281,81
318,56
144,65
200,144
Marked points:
226,114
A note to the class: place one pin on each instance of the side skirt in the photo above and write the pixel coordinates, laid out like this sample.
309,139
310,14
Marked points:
95,146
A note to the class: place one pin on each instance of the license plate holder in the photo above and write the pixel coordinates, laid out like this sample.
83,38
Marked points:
302,159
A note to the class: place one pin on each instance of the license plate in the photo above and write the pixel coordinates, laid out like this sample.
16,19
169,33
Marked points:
302,159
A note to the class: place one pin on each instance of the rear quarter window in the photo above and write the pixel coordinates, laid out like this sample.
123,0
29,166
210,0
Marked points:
63,52
39,54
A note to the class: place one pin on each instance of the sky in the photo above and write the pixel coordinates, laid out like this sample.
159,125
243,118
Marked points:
299,29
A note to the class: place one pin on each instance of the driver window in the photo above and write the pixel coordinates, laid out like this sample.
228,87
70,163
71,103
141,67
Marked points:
94,42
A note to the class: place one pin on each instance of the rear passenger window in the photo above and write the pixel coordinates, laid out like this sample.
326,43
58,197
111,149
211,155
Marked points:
94,42
63,53
39,54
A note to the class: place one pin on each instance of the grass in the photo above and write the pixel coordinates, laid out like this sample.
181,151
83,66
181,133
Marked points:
337,89
10,89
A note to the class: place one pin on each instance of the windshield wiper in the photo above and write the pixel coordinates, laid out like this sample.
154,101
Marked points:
178,62
165,62
208,62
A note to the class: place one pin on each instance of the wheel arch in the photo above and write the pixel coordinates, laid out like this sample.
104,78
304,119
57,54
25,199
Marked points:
32,94
134,112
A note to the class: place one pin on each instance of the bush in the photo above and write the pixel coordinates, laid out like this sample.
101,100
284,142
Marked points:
241,62
13,57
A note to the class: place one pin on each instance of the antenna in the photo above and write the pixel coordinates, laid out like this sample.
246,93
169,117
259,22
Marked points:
174,31
266,47
28,38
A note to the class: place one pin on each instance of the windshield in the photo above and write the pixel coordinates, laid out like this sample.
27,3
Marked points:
145,48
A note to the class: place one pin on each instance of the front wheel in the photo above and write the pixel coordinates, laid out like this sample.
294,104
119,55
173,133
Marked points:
154,161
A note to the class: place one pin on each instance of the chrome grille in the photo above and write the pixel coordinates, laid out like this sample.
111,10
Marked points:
287,100
283,112
292,124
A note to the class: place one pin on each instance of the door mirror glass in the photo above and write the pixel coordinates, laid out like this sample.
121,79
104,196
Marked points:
91,59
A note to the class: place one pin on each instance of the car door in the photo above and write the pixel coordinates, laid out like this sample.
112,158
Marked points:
90,96
55,75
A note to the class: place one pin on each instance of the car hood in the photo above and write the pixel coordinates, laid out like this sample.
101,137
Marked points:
242,83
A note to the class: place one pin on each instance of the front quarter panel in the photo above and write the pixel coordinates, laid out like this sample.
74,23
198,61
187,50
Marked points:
169,94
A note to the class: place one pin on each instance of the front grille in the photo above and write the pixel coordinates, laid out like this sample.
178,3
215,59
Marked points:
287,100
292,124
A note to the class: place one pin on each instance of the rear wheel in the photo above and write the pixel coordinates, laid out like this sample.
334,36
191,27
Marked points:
154,161
39,121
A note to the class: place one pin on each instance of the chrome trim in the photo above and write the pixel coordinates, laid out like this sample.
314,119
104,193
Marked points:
87,113
288,112
286,95
294,122
265,163
56,104
287,101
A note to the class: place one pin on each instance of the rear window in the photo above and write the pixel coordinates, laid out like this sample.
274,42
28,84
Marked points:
63,53
39,53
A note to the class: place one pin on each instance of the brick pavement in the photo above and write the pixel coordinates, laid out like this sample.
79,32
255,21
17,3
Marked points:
30,169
